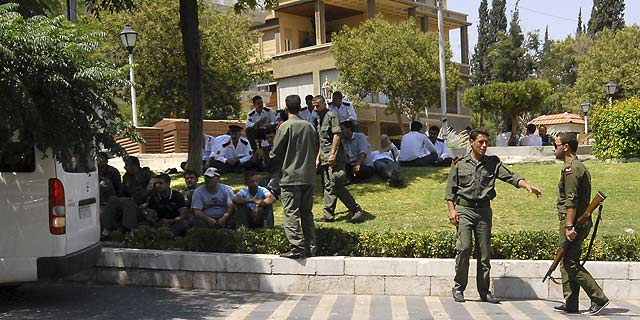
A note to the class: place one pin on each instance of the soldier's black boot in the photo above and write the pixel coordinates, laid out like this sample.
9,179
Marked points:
458,296
489,297
563,308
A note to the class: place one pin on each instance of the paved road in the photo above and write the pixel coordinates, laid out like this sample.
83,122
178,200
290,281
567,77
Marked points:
77,301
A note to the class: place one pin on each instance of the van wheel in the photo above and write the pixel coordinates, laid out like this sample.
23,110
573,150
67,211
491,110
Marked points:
10,293
8,290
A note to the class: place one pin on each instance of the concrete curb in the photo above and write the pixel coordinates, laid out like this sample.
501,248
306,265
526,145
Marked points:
341,275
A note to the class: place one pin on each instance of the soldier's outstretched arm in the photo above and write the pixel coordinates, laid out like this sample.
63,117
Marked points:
531,188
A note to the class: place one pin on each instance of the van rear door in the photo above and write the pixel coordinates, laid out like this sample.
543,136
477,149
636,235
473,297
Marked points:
24,212
79,176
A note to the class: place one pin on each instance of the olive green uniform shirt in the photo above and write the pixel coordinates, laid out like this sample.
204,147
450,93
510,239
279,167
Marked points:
328,126
295,148
476,181
574,188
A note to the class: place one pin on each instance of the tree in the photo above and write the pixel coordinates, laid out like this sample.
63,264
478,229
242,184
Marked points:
56,95
606,14
507,56
397,60
479,61
189,27
579,28
30,8
559,67
614,55
227,49
497,19
512,98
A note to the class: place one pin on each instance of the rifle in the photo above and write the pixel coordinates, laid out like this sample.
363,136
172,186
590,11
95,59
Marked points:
597,200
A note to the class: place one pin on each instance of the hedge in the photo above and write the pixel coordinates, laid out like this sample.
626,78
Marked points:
525,245
617,130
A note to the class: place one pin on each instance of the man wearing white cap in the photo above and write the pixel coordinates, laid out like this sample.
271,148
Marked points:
211,204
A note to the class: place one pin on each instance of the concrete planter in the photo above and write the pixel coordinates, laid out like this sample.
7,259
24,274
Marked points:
341,275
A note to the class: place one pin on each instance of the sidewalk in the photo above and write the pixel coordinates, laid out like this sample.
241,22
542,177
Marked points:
270,306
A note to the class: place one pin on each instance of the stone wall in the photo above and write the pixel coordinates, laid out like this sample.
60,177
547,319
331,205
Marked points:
341,275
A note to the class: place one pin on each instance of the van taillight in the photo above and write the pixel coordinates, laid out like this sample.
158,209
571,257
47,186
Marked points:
57,219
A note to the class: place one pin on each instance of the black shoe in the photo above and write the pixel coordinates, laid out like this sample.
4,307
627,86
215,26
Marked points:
458,296
292,255
595,309
324,219
563,308
357,216
489,297
312,251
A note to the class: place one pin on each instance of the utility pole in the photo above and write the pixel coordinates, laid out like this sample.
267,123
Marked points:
443,79
72,12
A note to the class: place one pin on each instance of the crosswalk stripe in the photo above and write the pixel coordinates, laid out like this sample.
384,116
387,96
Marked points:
613,305
361,308
547,311
511,310
475,311
436,308
399,308
246,308
323,309
634,303
285,308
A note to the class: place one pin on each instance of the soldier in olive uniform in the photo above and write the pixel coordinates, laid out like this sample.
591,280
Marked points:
470,189
295,148
574,195
332,162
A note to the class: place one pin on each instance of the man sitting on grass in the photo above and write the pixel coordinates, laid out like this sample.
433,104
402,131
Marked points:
211,206
254,204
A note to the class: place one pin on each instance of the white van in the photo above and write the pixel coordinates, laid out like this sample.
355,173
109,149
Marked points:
49,224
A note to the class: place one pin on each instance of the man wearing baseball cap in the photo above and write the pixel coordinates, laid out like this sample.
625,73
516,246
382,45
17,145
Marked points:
212,206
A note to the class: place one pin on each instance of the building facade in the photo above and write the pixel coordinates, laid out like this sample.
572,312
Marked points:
296,42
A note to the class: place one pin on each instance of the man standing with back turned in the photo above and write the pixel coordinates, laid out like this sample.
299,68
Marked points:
295,149
574,195
470,189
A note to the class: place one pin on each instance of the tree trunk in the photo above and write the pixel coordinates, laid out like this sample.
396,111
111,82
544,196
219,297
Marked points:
191,45
514,125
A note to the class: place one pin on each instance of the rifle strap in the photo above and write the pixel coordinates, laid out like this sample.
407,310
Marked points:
556,280
593,235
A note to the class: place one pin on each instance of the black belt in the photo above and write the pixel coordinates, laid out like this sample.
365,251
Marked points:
473,204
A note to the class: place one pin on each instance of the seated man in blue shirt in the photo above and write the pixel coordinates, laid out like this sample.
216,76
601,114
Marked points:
254,204
212,206
357,151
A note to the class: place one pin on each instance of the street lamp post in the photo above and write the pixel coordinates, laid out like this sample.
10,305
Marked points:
585,108
129,37
611,90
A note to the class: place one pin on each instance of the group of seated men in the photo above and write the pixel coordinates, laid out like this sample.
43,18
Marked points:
536,140
145,198
232,152
418,149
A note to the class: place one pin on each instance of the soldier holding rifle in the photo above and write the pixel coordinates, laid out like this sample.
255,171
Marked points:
573,199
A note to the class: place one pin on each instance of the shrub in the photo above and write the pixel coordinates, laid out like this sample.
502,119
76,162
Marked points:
617,130
534,245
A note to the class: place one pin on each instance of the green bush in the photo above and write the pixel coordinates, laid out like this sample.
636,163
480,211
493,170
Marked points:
617,130
526,245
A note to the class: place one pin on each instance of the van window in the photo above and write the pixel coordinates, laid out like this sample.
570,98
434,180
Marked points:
17,157
80,162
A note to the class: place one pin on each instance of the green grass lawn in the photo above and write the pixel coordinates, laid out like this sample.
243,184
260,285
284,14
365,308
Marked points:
420,206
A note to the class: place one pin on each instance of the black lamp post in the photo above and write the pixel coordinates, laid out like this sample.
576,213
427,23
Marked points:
129,37
611,90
